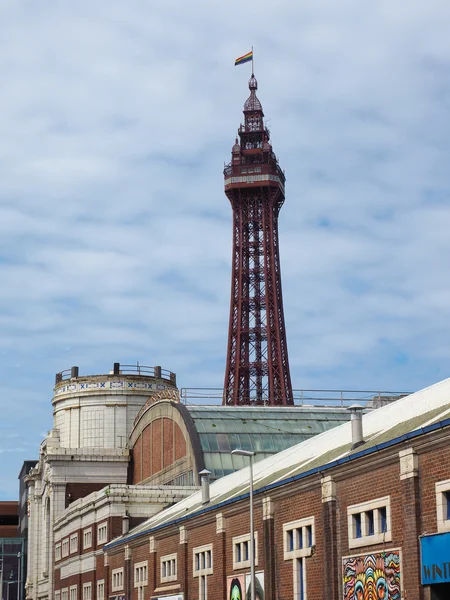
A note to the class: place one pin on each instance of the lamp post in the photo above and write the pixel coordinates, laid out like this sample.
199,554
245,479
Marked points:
250,454
19,576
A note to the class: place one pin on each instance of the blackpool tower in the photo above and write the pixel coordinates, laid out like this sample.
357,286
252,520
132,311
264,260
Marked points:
257,371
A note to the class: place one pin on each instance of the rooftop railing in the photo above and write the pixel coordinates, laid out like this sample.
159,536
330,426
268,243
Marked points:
303,397
121,369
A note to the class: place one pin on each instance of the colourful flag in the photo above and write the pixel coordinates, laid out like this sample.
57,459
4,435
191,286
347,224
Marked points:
243,59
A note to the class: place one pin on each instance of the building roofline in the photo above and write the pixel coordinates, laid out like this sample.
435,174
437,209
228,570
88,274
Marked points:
325,467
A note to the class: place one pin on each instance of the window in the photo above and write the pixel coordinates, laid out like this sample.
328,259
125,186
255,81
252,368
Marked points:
117,580
57,595
298,538
168,568
58,552
298,542
73,543
140,574
65,594
87,591
65,548
73,592
443,505
87,538
102,533
141,578
203,566
241,551
369,523
101,589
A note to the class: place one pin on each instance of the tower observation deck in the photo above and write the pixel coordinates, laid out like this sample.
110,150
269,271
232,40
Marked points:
257,371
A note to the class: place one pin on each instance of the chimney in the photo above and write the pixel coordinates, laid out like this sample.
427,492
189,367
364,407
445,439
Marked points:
205,485
125,523
356,421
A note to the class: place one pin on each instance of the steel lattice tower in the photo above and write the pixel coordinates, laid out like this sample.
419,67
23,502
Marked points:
257,370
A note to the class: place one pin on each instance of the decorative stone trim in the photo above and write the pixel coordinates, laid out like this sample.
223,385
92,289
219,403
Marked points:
409,463
183,535
220,523
152,545
127,552
268,508
328,489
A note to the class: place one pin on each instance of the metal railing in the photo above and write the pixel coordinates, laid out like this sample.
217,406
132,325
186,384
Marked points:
119,369
303,397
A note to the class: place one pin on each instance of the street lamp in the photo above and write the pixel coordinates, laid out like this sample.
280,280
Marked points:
240,452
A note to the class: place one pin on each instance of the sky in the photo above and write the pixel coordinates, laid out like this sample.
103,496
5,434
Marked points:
116,119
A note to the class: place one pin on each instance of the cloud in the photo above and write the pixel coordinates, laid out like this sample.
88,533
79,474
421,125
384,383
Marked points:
115,234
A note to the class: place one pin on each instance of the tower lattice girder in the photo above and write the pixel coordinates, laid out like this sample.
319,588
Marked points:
257,364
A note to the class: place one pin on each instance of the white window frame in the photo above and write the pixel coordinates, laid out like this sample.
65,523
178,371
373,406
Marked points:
65,548
117,580
238,544
100,589
87,591
102,528
379,536
168,568
300,551
57,594
73,543
443,520
201,568
141,574
57,552
87,538
65,594
73,592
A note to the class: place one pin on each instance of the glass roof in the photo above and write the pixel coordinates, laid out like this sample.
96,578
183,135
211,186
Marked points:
263,430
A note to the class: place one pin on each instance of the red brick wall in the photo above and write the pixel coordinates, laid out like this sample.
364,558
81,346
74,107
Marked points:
74,491
146,452
413,513
159,445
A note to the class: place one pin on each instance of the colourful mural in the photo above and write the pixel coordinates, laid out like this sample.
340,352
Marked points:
236,587
372,576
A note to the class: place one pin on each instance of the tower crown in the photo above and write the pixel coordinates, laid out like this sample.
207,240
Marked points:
252,103
253,162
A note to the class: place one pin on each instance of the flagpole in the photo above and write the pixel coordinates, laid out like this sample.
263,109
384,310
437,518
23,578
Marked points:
253,68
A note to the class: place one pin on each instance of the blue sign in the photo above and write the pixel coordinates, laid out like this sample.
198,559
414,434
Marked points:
435,558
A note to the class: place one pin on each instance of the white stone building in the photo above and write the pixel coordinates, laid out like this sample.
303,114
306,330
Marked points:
85,451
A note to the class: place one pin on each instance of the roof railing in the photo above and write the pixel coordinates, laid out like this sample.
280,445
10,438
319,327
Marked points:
121,369
302,397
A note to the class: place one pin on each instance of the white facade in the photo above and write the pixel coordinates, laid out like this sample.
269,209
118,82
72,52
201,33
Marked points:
92,419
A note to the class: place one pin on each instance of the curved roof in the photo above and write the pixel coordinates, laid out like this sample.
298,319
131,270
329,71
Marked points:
262,430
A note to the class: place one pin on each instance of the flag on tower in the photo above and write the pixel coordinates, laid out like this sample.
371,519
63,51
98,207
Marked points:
243,59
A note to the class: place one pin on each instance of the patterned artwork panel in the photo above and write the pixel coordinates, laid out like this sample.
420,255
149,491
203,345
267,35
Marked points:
373,576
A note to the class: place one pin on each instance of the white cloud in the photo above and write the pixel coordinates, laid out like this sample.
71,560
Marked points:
115,234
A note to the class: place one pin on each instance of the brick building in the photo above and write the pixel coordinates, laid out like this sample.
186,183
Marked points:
331,521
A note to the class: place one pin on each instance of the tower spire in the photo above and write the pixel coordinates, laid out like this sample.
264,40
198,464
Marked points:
257,370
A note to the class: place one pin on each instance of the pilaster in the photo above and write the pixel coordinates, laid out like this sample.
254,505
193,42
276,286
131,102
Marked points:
269,547
183,558
330,550
411,513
